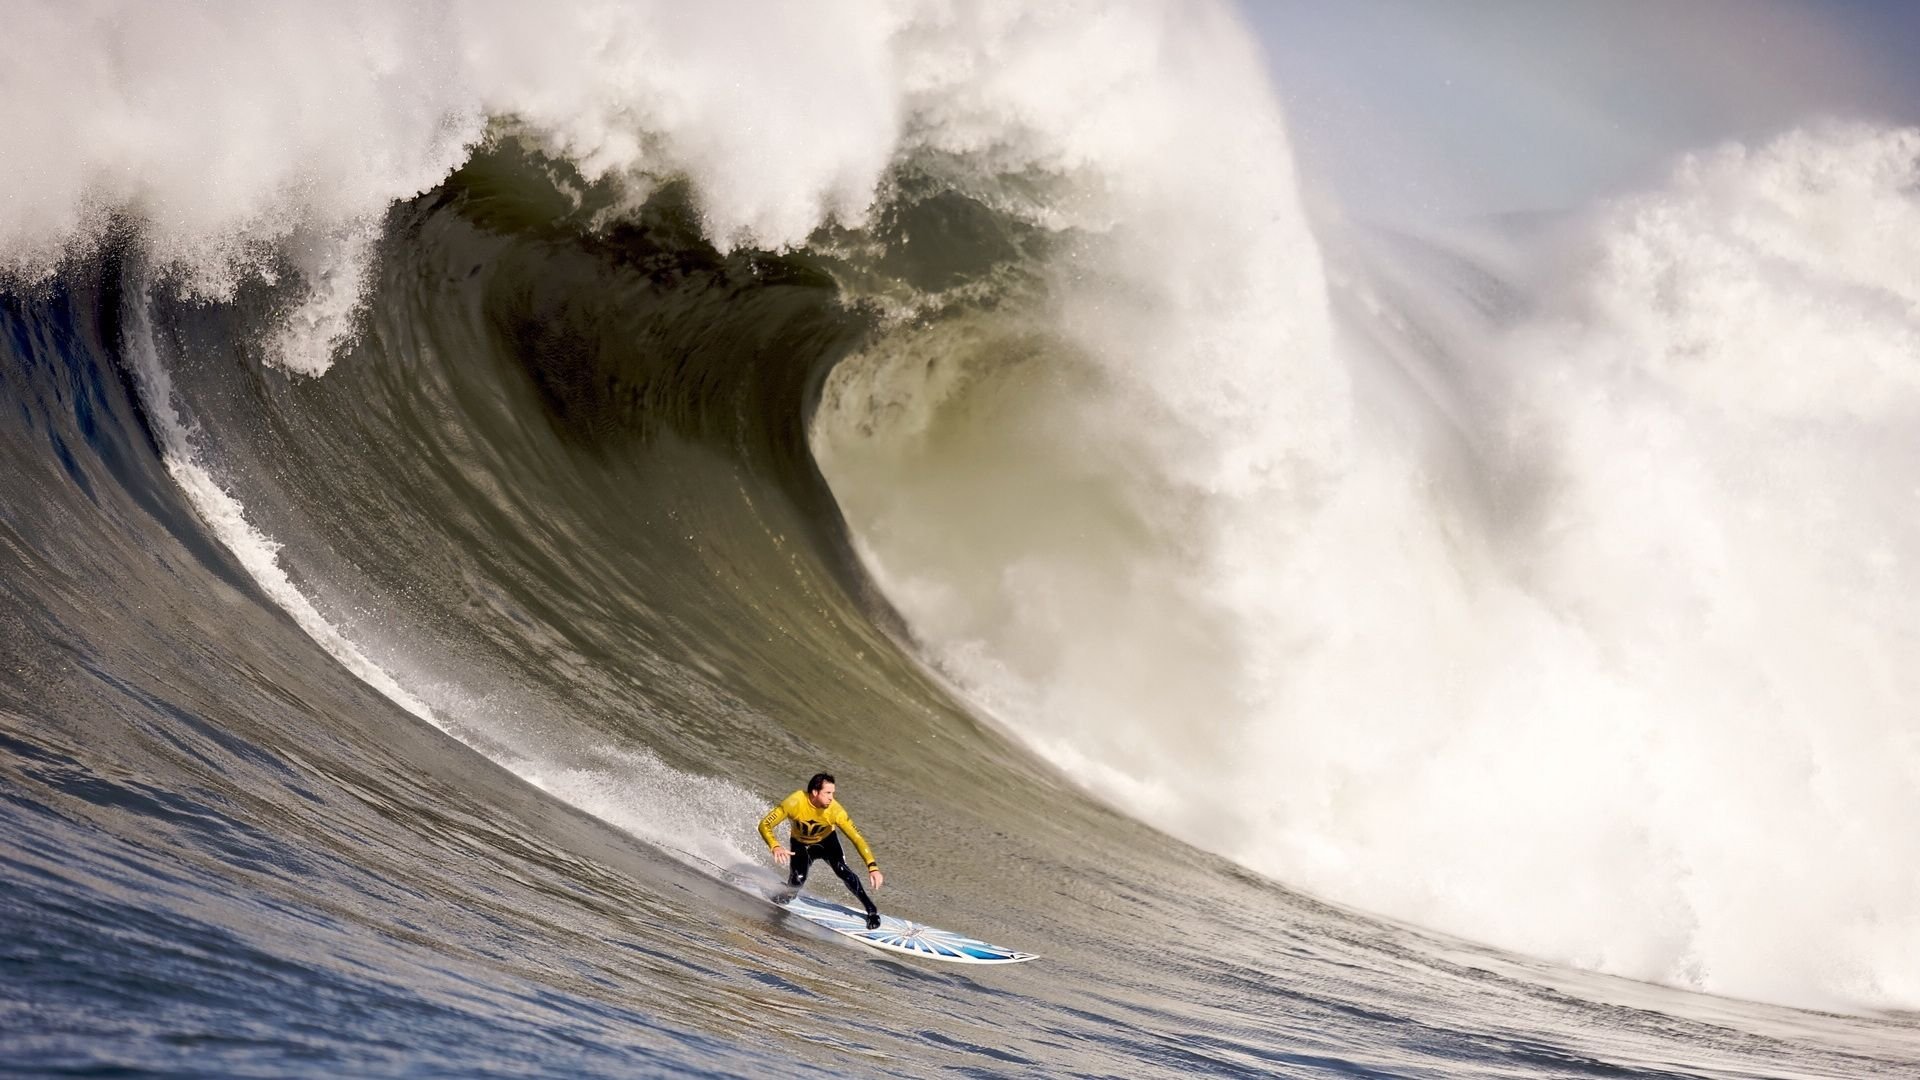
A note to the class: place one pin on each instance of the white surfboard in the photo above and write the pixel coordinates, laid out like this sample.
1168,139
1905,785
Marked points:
901,936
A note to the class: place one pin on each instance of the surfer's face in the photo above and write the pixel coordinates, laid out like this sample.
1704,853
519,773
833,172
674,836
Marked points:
822,797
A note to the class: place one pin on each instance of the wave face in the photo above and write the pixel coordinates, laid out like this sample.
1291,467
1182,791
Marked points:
459,483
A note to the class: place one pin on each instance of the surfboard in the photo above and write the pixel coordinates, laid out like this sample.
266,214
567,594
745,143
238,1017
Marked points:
903,936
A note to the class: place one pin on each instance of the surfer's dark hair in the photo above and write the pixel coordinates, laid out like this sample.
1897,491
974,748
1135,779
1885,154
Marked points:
820,778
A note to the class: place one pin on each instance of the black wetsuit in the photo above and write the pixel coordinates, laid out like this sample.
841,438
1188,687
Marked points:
827,851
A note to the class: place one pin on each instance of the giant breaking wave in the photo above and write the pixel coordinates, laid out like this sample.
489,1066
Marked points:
1552,591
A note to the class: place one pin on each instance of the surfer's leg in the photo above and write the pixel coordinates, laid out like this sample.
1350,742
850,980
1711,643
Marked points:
837,859
797,864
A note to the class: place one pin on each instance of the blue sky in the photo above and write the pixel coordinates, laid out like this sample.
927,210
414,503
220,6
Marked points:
1437,109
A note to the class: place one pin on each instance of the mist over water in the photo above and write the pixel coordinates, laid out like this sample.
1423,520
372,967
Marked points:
656,400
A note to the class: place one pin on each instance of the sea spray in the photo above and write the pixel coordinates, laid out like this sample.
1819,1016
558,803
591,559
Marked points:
1624,691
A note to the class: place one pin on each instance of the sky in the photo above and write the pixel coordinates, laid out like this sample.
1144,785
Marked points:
1444,109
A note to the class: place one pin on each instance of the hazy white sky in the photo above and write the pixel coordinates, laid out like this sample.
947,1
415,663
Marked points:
1433,109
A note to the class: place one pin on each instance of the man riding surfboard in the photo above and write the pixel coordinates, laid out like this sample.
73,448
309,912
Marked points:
814,824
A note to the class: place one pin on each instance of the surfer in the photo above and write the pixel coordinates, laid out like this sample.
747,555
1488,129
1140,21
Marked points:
815,824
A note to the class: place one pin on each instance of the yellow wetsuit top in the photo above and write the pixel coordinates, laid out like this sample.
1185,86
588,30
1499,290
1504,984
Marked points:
812,824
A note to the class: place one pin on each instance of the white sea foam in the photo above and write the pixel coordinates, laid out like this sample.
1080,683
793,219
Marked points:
228,136
1634,695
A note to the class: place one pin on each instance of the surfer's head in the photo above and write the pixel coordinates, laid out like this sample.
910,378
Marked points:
820,789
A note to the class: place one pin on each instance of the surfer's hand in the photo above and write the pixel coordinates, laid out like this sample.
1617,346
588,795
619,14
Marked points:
876,878
781,855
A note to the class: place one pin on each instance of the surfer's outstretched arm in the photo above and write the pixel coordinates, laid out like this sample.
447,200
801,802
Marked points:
845,824
774,817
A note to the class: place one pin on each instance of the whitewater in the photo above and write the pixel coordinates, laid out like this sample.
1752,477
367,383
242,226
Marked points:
469,461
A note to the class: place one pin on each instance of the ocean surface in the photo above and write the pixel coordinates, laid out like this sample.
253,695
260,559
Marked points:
465,463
